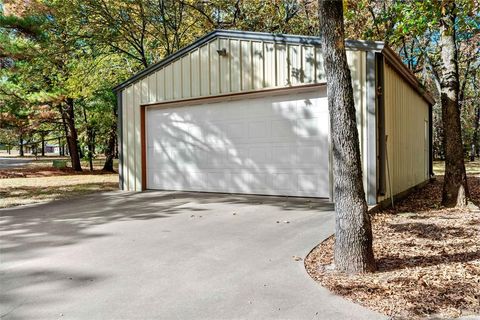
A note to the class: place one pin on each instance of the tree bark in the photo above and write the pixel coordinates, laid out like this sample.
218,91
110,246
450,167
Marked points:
474,144
71,134
21,153
60,147
110,151
43,144
455,188
89,140
353,233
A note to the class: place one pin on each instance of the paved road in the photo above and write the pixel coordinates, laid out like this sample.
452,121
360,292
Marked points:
11,163
160,255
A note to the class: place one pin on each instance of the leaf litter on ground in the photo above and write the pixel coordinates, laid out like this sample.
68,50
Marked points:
428,259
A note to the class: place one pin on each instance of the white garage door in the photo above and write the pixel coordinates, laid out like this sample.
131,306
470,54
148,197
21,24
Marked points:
275,145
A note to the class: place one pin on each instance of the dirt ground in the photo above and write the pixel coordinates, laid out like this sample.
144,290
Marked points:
39,181
428,259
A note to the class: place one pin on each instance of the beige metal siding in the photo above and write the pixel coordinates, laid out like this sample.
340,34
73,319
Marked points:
137,158
129,151
406,118
125,120
249,65
357,65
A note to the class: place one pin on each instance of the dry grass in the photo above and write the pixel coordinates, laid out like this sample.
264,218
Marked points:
473,168
20,191
38,181
428,259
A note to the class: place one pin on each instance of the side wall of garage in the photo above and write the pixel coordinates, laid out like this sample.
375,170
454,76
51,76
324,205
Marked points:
407,134
248,66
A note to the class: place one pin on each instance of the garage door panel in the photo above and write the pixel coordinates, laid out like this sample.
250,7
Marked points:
259,129
310,184
166,180
218,181
286,182
272,145
260,154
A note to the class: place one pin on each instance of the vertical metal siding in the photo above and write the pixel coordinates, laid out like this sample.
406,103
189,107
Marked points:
195,72
235,66
308,63
137,158
169,82
160,89
246,68
130,147
214,60
224,65
204,70
295,72
125,149
281,66
406,115
319,66
144,94
357,65
258,65
186,78
269,65
177,79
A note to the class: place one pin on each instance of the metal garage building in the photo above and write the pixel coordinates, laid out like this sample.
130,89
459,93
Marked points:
246,112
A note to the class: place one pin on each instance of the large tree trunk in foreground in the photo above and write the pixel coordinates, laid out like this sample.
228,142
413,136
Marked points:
71,134
353,232
455,189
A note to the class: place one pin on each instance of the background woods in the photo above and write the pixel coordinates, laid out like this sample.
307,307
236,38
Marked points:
60,59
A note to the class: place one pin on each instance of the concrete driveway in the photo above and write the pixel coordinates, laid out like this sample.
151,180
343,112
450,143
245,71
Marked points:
166,255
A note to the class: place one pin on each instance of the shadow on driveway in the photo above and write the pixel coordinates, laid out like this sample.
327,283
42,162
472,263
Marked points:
164,255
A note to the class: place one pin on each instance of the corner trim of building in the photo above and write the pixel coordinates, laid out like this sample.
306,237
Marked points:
371,138
120,138
430,141
143,146
381,142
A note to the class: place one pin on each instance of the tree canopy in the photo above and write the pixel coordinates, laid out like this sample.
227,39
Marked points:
55,53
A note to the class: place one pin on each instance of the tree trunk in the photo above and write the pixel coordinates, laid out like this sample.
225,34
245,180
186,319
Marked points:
21,147
89,140
353,233
110,151
474,144
71,134
455,188
43,144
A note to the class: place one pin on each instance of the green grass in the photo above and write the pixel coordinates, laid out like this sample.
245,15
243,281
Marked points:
472,168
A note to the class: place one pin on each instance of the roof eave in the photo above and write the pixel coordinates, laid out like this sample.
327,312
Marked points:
394,60
165,61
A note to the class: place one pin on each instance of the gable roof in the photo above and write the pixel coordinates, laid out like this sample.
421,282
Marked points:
373,46
246,35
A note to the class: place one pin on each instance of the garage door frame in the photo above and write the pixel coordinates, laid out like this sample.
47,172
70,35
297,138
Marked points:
218,99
